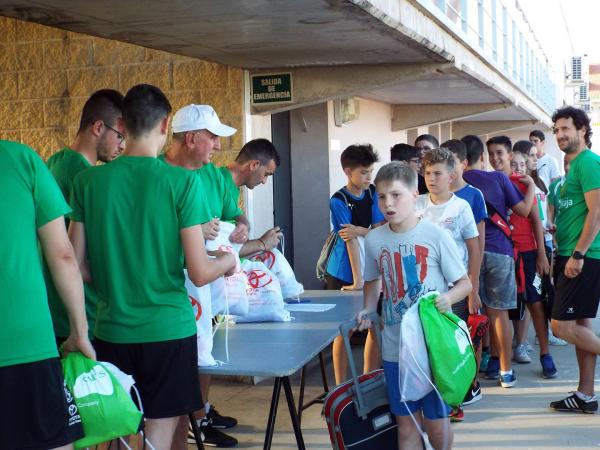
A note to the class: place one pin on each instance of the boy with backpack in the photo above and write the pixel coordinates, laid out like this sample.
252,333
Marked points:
405,256
354,211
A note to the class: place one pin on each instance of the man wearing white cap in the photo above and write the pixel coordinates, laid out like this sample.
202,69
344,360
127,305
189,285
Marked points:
196,133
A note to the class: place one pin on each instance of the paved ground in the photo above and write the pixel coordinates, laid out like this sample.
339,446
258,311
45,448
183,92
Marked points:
516,418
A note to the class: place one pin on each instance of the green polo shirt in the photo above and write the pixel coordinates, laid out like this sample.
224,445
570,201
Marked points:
30,199
64,166
133,210
584,176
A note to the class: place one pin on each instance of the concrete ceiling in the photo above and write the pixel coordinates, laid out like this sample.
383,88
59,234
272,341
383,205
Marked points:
250,34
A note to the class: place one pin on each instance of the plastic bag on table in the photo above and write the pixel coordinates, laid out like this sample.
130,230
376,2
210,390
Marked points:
264,295
222,241
200,297
279,265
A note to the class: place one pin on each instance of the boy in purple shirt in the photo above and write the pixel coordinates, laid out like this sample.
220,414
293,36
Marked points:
497,286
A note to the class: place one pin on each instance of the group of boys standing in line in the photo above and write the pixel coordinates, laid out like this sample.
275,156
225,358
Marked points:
496,252
112,286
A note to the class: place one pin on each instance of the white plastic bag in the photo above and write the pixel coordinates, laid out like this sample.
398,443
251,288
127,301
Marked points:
229,295
276,263
264,295
201,303
222,241
415,373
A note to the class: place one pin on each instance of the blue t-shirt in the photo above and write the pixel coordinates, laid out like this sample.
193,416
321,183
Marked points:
339,262
474,198
501,194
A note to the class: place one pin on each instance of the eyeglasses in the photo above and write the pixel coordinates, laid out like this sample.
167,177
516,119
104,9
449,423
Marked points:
415,160
120,136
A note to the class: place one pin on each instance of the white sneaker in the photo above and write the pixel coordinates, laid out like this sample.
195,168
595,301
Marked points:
552,340
520,354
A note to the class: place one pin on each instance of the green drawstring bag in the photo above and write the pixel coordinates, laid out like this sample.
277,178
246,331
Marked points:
106,410
451,353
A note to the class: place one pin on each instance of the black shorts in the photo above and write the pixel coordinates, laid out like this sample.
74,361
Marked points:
461,309
334,284
576,298
38,411
165,373
532,295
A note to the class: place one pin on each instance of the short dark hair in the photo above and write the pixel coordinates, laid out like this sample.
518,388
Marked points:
457,147
474,148
403,152
397,171
105,105
538,134
262,150
359,155
144,107
580,120
500,140
522,146
439,156
429,138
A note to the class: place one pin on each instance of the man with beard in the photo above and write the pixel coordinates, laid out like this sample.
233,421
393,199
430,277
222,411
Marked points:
100,138
578,256
255,163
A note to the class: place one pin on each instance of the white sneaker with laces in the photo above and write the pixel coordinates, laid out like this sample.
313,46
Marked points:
521,355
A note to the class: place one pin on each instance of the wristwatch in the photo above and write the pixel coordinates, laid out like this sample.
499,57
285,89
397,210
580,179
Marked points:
577,255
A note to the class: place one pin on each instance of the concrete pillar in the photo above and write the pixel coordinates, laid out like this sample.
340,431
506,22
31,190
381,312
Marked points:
309,143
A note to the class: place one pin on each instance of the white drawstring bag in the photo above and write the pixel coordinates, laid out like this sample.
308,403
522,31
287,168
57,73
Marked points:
229,295
264,295
276,263
222,241
415,373
201,304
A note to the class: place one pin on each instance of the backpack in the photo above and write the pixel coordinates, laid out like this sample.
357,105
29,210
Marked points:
332,238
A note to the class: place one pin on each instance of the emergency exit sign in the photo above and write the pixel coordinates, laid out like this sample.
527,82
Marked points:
272,88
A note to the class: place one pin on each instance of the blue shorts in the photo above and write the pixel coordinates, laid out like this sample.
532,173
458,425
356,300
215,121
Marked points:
497,284
432,405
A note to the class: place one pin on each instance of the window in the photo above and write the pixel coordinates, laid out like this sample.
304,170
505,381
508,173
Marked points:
576,68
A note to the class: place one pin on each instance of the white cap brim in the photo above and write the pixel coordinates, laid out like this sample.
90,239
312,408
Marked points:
221,130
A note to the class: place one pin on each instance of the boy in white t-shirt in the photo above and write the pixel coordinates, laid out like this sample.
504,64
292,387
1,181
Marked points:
405,255
453,214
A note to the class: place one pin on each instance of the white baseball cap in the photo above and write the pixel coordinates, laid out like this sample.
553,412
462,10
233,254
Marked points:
200,117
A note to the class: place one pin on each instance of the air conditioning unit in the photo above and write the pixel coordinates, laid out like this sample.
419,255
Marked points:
586,107
583,93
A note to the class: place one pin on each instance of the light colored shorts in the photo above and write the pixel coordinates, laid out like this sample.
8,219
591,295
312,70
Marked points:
497,284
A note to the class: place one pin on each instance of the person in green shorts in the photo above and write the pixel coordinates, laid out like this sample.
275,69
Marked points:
196,136
100,138
31,383
255,163
135,225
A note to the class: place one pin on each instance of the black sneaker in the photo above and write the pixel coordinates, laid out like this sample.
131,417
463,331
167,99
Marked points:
574,404
216,420
473,395
211,437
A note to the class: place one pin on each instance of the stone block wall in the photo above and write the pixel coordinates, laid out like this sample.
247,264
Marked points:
46,74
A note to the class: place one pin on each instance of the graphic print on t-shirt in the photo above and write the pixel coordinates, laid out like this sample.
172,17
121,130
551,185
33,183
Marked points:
403,273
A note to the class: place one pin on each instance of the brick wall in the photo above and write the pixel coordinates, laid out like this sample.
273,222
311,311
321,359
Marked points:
46,74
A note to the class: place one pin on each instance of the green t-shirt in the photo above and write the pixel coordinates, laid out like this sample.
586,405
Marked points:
554,194
64,166
584,176
221,202
232,189
133,210
30,199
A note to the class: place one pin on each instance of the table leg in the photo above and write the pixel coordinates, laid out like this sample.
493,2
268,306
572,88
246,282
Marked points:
290,401
323,372
272,413
301,396
196,431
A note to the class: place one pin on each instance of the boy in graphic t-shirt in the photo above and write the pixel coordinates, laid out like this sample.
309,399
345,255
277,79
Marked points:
409,257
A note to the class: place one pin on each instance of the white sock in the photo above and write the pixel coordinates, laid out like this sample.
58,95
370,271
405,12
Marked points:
584,397
206,407
505,372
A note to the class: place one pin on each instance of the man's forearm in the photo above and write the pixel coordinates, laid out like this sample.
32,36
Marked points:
252,247
69,285
242,219
371,292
